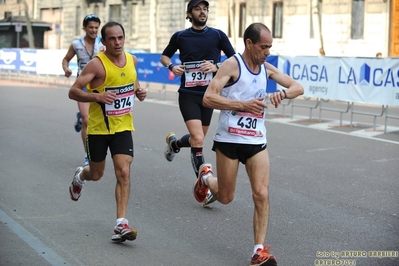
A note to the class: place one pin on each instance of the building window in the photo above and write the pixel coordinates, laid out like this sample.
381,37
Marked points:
115,13
78,21
96,9
357,26
2,2
277,20
311,30
243,19
231,21
134,20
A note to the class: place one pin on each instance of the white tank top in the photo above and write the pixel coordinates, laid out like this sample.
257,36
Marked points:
242,127
83,55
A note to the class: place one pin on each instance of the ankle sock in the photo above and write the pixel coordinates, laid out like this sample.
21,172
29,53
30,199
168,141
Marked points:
80,181
119,220
258,246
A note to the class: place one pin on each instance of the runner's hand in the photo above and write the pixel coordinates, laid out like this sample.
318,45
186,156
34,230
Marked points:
68,72
178,70
256,106
141,94
108,97
208,67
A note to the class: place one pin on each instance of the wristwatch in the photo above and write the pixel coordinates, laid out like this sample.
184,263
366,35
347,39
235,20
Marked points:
218,65
285,93
170,66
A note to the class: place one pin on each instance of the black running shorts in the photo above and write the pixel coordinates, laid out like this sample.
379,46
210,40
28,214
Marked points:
191,108
242,152
118,143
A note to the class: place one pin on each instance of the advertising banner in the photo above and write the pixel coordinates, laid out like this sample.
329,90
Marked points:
362,80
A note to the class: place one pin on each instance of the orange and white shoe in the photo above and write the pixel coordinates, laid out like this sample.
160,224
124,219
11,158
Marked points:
263,258
200,188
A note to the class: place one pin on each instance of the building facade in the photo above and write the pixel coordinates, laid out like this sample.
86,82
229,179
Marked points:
358,28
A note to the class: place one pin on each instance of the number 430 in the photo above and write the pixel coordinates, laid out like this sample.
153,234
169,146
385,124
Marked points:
247,122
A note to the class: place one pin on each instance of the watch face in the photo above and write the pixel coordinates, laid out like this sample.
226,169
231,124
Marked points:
218,65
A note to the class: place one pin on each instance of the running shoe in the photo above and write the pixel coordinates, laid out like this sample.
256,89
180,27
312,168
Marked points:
169,151
78,124
86,161
200,188
75,188
263,258
123,232
209,199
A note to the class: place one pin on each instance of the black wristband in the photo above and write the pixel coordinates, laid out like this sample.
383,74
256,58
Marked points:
285,94
170,66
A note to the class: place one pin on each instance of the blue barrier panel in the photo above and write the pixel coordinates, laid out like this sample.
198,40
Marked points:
28,60
271,84
18,59
150,69
9,59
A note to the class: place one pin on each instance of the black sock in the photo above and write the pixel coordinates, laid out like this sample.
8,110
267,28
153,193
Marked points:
184,142
197,159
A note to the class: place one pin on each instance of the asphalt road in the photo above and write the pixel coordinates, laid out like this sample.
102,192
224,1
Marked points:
332,194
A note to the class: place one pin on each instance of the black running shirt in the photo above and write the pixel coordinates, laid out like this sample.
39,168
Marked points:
195,46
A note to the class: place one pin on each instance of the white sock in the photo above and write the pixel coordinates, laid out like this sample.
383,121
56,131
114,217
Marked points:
205,178
258,246
120,220
80,181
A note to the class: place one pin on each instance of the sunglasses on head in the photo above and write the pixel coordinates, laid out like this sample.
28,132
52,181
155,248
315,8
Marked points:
90,16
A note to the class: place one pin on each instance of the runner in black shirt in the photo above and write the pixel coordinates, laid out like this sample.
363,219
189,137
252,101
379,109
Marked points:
200,54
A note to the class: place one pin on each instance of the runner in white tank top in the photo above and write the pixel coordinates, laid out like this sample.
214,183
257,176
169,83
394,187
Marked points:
85,49
239,90
240,126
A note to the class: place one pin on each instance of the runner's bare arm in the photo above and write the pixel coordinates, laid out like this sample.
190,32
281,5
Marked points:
294,89
65,61
93,71
229,71
178,70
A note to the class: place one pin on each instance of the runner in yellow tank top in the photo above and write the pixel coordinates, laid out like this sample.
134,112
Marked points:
112,84
115,117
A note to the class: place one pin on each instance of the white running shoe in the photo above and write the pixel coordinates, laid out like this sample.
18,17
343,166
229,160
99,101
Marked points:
75,188
209,199
123,232
169,151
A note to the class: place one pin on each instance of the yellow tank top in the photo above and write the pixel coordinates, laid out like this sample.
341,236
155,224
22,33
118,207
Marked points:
107,119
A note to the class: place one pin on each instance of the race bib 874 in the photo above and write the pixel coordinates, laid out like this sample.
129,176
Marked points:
123,104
